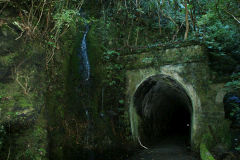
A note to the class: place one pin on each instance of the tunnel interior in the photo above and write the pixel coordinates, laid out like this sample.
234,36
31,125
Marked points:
165,110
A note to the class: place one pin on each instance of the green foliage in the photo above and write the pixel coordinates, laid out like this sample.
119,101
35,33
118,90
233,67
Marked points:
65,19
206,143
112,68
147,60
234,85
234,103
110,54
125,123
237,148
121,101
219,31
235,113
218,36
7,60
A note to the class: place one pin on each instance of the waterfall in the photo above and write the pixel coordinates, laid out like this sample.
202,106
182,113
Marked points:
84,71
83,56
83,90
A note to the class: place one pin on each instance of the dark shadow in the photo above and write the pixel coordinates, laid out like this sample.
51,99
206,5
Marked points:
165,110
231,103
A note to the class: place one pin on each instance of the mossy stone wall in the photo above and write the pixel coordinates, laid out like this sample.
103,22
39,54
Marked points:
189,67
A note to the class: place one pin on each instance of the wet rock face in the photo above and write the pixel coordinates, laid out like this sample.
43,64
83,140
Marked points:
8,42
5,72
15,108
25,61
18,118
21,93
8,48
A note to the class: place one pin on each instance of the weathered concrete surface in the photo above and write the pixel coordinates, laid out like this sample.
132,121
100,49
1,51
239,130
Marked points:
187,66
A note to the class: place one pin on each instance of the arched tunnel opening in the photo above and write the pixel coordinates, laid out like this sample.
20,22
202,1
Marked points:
165,110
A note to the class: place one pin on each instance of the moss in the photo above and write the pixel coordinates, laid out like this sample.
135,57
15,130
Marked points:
7,60
8,43
134,120
24,102
221,132
11,96
8,31
217,134
204,153
95,52
69,97
156,58
61,97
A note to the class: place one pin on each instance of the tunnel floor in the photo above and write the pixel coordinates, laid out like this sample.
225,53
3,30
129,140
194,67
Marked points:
172,148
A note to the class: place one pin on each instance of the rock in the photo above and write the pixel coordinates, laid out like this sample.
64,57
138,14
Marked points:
8,42
18,118
5,73
229,157
8,50
219,150
237,69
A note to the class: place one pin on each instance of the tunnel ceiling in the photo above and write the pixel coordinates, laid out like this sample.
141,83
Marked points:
160,94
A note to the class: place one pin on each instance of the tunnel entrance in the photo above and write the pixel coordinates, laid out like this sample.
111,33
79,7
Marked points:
165,110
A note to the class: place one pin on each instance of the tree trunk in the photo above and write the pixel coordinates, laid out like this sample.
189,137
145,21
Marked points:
186,18
192,15
159,23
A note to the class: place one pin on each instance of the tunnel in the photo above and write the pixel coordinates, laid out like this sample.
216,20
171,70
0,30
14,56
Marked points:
165,110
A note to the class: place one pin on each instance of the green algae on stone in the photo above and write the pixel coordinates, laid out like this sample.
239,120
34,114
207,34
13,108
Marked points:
204,152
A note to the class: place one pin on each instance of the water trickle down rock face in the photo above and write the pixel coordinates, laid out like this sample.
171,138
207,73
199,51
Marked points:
84,71
84,68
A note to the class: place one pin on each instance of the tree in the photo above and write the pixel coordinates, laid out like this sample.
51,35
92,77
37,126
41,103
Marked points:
186,19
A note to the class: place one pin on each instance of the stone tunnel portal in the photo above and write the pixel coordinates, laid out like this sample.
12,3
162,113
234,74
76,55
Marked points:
165,110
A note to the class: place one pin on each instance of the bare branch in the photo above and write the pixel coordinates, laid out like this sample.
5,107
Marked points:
141,144
232,16
40,16
25,84
186,19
